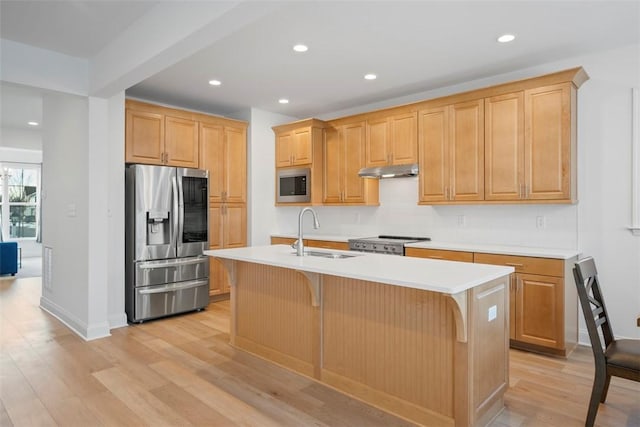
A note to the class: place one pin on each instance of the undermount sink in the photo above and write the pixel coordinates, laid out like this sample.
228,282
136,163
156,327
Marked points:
332,255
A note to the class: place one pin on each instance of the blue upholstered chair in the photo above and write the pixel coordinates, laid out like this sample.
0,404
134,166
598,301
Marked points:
8,258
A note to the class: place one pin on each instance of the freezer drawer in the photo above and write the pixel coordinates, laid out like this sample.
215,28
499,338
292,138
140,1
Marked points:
148,273
163,300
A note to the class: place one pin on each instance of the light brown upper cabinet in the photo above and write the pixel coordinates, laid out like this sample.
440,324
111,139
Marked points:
223,152
530,150
510,143
451,153
550,143
504,147
156,136
392,140
300,145
344,156
294,147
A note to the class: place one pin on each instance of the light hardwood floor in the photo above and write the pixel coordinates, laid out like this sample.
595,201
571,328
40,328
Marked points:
181,371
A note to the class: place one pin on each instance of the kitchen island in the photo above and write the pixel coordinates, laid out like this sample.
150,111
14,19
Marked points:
424,339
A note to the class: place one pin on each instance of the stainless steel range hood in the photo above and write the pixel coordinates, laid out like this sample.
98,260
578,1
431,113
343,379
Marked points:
395,171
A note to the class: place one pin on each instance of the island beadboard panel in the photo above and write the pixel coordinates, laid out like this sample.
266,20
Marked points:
282,296
369,346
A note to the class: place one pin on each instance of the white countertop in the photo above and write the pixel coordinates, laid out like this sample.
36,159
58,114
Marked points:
447,277
466,247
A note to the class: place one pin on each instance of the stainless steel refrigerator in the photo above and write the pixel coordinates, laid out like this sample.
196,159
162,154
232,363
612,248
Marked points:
167,230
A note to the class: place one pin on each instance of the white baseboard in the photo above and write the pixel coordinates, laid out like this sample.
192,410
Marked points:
118,321
86,332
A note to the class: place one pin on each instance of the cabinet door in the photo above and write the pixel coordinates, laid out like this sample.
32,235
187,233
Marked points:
181,142
466,151
212,158
548,142
404,138
284,143
433,149
234,226
235,165
513,286
332,176
539,310
504,147
218,278
302,151
144,142
377,149
353,140
215,226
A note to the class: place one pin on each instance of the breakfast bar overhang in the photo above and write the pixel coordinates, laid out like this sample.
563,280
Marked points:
424,339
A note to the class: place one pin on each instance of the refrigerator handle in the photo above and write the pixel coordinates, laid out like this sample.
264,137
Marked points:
175,213
180,211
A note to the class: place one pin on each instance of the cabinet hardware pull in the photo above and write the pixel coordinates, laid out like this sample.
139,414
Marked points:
436,257
514,264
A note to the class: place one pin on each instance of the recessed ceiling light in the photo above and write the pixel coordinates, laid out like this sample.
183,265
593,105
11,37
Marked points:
215,82
300,48
283,101
506,38
33,123
370,76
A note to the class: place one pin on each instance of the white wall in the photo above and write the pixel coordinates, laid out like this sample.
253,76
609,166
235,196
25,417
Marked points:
261,174
115,212
65,210
17,155
596,225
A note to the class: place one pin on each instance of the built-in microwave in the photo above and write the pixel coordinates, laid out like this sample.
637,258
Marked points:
293,185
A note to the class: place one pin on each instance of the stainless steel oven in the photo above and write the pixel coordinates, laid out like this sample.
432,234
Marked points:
293,185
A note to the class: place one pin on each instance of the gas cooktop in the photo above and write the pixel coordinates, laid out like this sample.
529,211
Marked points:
384,244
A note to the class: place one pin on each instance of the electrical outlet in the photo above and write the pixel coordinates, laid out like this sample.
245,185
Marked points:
541,222
492,313
462,221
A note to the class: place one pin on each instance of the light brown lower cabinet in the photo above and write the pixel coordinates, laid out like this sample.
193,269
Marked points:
227,229
440,254
543,313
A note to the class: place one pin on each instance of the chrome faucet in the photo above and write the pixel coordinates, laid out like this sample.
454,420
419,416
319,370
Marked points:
316,224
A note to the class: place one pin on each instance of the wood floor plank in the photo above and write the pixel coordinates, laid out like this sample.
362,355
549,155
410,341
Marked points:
197,412
151,409
228,405
30,412
111,411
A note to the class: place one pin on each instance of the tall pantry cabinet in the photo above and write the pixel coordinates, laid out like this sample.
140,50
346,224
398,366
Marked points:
223,152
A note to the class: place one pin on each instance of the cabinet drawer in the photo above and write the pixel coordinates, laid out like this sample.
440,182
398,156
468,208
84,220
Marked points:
531,265
327,244
440,254
282,240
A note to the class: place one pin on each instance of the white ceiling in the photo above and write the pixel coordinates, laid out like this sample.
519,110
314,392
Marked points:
412,46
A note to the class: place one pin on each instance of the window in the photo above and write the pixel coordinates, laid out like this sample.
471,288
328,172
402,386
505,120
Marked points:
19,201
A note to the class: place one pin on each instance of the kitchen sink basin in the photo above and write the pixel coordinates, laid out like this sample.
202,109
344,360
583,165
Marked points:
332,255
